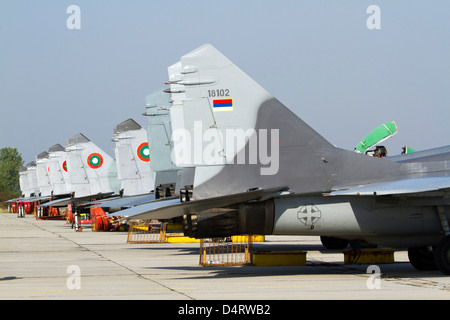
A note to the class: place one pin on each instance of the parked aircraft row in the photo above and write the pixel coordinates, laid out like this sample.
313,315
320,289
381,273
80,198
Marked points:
244,163
78,180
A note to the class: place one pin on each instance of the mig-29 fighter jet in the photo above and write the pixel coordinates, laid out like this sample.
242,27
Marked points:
260,169
92,175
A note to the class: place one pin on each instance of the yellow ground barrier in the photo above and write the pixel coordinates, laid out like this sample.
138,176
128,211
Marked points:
279,258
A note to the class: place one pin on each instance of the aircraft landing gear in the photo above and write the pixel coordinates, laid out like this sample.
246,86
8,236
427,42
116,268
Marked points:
442,251
442,255
422,258
77,225
21,212
333,243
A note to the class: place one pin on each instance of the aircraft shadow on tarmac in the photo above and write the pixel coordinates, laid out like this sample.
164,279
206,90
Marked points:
313,267
10,278
173,250
256,247
397,270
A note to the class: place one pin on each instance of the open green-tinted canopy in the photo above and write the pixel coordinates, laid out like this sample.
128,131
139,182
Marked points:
383,132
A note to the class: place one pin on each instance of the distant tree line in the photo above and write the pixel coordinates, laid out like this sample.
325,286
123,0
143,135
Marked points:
10,163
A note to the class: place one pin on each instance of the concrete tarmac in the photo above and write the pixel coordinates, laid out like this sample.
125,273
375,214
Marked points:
49,260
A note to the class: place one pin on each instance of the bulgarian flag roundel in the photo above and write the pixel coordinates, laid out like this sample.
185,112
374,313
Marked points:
95,160
64,166
143,152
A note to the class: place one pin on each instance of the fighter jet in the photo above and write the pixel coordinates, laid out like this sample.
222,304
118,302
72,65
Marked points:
144,158
160,143
51,169
45,188
57,171
92,174
98,174
35,186
187,172
28,180
137,181
41,181
260,169
133,159
29,189
144,161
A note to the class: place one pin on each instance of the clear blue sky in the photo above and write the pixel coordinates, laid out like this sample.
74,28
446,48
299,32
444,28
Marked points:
317,57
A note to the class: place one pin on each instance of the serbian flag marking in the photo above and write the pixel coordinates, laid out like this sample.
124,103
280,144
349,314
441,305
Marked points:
223,105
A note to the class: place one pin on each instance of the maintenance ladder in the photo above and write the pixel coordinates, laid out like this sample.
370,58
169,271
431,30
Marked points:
229,251
146,232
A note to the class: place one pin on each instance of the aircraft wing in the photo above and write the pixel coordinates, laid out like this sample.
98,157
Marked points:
396,187
13,200
167,209
126,201
58,202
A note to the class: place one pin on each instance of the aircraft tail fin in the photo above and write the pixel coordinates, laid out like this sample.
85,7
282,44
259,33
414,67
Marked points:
133,158
236,133
159,130
45,188
91,170
158,105
57,169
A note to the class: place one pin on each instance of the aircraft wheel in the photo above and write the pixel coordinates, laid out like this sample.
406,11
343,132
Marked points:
442,255
422,258
333,243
